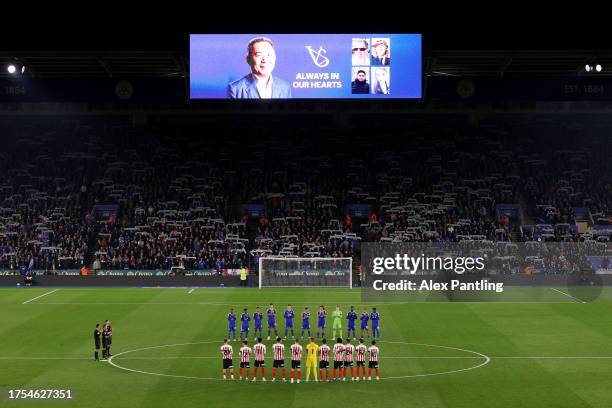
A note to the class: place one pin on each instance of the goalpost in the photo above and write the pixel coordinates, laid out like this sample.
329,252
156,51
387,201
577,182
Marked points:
305,272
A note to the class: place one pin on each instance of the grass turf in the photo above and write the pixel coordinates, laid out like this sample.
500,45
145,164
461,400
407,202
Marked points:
47,343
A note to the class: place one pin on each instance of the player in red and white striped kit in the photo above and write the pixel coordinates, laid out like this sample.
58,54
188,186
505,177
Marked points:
338,357
361,351
278,349
324,360
245,359
348,359
373,359
260,353
296,358
227,352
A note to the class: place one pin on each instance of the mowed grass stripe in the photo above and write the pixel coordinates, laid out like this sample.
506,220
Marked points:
52,331
309,296
509,325
538,329
217,393
393,326
501,383
191,325
80,341
436,324
595,316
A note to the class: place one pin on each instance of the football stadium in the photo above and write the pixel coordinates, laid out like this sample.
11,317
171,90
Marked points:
409,218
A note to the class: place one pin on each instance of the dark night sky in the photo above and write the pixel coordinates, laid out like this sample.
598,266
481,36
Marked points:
501,25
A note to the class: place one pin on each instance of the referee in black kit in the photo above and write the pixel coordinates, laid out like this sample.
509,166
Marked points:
97,334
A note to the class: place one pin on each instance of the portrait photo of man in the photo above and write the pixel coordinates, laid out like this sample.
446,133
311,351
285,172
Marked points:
360,51
360,83
259,83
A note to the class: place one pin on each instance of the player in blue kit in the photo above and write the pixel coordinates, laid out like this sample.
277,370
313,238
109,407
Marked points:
305,322
365,316
322,314
271,312
245,318
289,315
231,324
258,322
375,318
351,316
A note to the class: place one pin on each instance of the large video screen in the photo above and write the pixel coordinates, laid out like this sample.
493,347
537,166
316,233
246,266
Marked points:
305,66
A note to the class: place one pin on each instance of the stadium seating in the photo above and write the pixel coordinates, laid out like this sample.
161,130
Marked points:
180,197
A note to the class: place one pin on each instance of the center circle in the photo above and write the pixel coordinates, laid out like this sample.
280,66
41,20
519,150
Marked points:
479,356
486,359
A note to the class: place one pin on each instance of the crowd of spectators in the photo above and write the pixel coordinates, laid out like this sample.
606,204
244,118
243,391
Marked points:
181,199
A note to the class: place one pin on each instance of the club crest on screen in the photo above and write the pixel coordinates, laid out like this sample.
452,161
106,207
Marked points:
318,58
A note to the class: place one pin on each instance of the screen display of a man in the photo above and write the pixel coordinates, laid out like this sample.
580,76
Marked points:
360,84
361,53
259,83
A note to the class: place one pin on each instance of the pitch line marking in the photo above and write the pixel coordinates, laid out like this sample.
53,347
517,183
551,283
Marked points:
486,361
568,295
110,361
44,358
38,297
382,358
302,303
553,357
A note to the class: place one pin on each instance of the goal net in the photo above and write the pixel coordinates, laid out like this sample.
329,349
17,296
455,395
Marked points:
305,272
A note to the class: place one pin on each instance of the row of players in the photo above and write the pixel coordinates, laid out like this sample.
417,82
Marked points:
344,355
289,315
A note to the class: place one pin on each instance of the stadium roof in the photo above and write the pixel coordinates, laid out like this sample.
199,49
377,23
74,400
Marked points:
457,41
70,64
462,63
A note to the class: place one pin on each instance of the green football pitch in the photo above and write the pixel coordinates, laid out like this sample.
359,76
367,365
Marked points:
549,350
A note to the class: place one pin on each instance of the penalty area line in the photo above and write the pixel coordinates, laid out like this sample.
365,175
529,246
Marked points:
38,297
568,295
